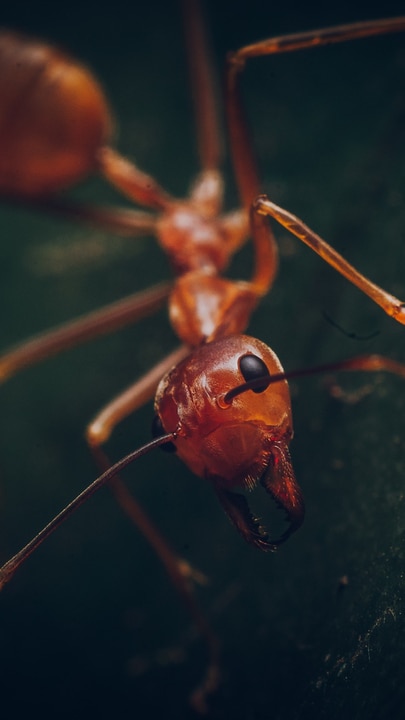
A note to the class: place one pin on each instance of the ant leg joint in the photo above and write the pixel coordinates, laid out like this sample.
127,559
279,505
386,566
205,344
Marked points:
258,204
398,313
97,434
235,61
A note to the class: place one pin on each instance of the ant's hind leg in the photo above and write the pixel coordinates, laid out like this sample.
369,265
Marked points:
202,86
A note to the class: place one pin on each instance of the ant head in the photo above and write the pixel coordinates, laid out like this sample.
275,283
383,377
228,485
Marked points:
225,439
228,406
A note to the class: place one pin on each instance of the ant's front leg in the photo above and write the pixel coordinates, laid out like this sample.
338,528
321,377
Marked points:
394,307
243,156
181,574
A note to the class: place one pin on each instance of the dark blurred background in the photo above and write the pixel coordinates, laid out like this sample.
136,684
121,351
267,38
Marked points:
91,626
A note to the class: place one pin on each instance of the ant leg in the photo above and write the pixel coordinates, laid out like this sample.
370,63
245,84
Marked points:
266,254
100,430
135,396
123,221
241,148
229,303
243,158
390,304
131,181
181,574
207,190
313,39
202,86
242,154
178,570
107,319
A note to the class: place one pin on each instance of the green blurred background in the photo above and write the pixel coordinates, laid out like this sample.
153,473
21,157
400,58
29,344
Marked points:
91,626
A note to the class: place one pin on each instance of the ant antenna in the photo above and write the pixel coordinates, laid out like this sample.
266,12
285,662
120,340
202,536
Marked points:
371,363
350,334
10,567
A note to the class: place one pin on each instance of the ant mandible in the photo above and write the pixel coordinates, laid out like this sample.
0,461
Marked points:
222,400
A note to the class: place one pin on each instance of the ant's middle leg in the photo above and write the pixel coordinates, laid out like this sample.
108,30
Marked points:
102,321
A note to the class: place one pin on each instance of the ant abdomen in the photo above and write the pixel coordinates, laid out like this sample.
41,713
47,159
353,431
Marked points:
53,118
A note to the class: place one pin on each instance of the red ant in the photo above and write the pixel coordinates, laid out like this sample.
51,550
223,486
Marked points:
223,403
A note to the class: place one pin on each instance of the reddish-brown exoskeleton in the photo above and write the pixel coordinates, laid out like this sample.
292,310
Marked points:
222,400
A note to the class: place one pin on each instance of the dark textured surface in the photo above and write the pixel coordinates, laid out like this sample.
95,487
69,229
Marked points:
85,624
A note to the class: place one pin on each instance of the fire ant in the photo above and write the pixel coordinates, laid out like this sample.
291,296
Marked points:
246,383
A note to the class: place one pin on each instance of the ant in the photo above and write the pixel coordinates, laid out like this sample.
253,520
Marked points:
222,400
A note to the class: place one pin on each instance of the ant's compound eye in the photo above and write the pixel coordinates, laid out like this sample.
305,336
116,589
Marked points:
157,431
253,368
